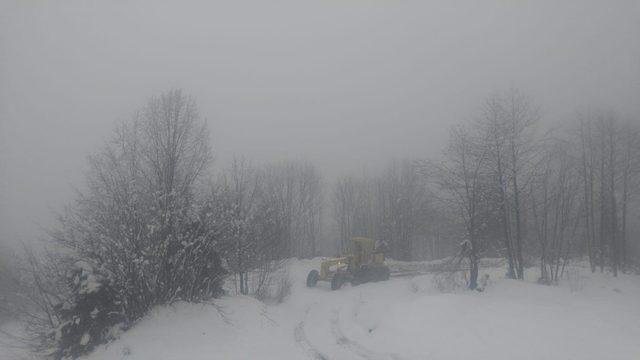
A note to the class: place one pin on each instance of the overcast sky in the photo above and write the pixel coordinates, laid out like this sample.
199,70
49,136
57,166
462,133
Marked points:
347,84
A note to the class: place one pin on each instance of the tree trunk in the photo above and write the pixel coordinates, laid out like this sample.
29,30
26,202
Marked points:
587,202
602,206
505,222
615,251
516,199
473,271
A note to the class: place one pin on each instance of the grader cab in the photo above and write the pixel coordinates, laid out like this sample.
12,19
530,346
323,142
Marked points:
364,264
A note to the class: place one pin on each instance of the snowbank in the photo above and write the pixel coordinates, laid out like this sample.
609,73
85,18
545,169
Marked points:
10,347
587,316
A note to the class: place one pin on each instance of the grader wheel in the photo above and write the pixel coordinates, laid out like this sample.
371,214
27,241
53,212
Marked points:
337,281
312,278
384,273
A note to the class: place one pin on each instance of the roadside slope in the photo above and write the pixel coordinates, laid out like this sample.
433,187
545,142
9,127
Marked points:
588,316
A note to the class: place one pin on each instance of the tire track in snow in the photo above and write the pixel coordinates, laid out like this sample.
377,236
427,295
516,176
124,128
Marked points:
303,342
354,346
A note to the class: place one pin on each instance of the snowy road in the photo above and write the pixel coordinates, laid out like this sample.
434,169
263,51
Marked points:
587,317
331,328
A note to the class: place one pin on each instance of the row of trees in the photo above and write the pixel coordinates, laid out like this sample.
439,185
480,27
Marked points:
486,171
396,206
610,162
506,187
273,213
554,194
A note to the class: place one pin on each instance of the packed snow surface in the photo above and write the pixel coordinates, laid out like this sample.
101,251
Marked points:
586,316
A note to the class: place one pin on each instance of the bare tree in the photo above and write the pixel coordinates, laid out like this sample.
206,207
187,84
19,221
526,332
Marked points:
630,163
309,209
405,207
610,177
493,125
236,198
345,206
294,190
508,122
461,175
587,159
555,207
357,211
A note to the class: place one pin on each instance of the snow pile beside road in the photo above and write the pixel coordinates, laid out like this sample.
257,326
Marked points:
235,327
10,346
588,316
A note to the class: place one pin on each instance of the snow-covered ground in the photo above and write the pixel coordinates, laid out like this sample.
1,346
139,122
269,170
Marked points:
10,347
587,316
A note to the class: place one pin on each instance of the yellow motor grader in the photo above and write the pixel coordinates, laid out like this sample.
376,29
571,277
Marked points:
364,264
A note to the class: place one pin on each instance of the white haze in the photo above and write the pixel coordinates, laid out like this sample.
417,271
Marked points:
344,84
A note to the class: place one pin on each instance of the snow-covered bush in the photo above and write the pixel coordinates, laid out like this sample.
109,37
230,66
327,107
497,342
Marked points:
7,282
139,234
450,281
266,214
575,279
91,313
274,283
284,289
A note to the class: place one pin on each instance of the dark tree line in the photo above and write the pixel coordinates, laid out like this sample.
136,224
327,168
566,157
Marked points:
396,206
609,163
271,213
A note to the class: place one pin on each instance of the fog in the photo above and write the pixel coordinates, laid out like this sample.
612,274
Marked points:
347,85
